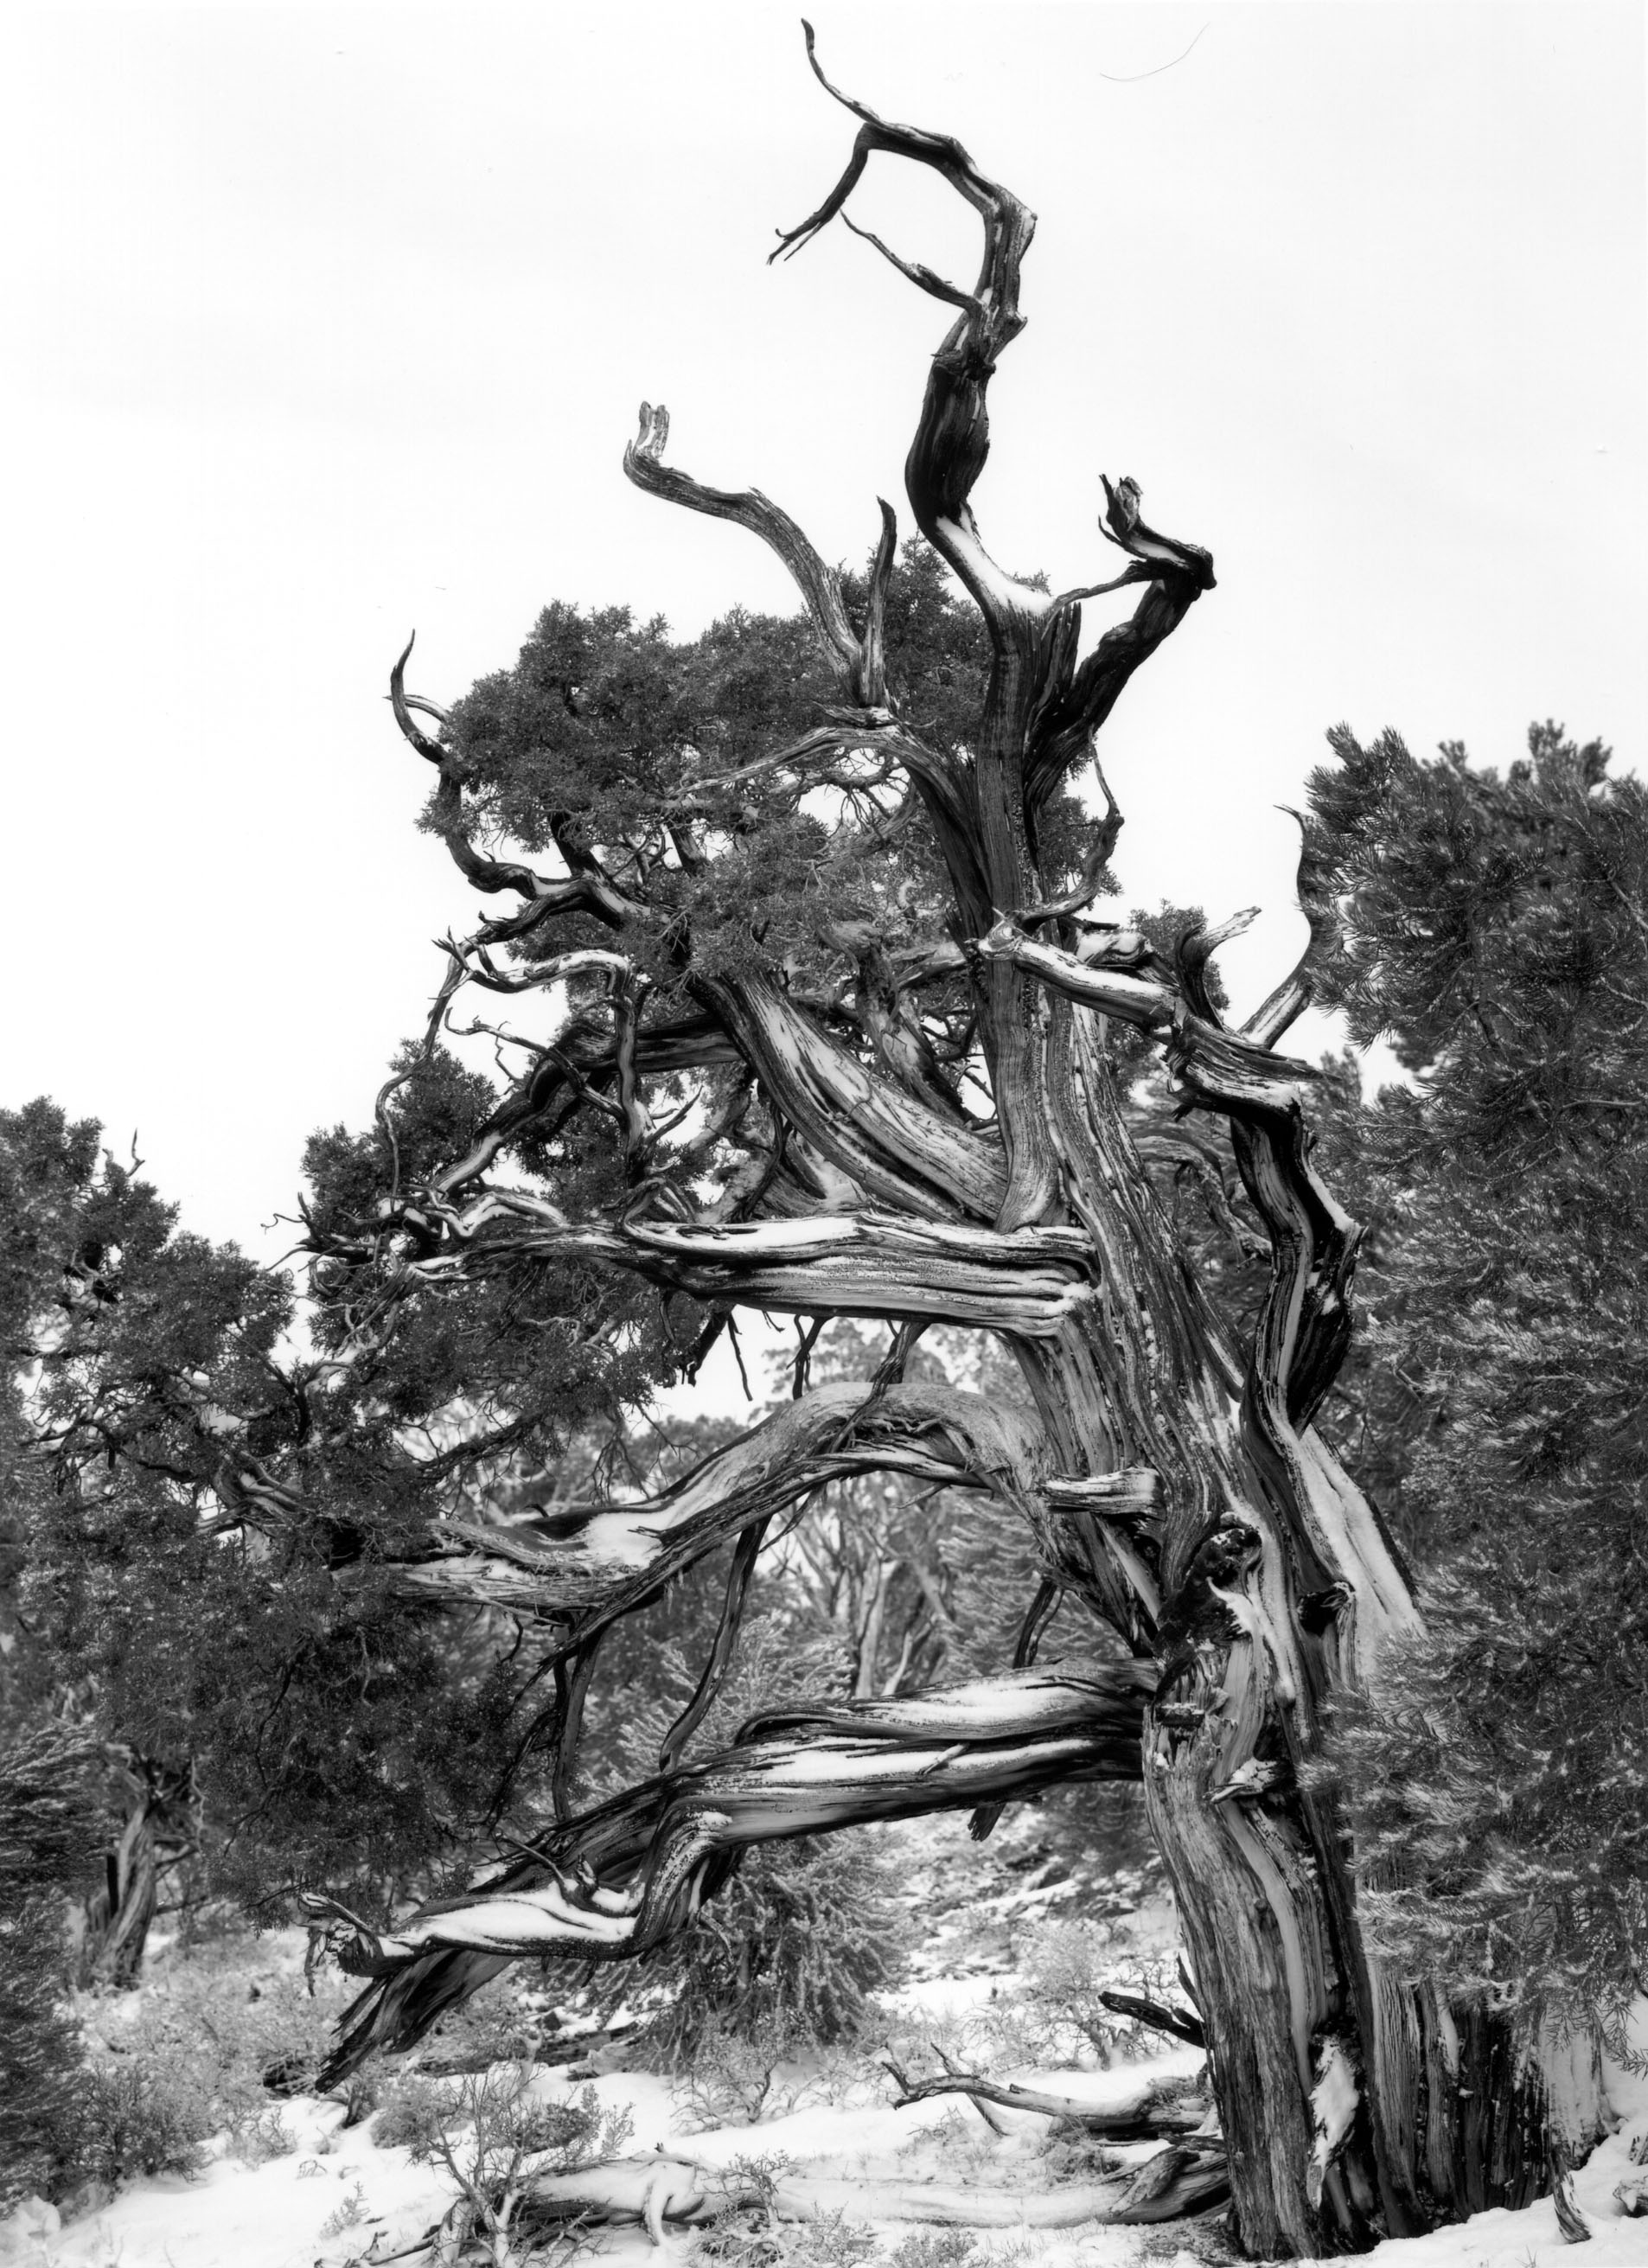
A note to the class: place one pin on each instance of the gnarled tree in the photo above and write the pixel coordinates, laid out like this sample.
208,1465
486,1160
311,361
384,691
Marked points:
778,955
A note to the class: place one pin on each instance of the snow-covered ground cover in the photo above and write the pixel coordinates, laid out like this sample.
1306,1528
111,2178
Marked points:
337,2196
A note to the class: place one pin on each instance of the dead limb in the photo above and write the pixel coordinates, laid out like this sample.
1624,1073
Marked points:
1156,2111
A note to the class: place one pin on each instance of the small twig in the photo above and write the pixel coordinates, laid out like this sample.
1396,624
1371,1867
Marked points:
1131,78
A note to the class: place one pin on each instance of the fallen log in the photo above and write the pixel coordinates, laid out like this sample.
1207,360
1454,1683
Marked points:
665,2191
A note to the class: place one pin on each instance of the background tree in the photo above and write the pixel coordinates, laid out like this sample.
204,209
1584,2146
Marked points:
201,1532
1496,931
49,1827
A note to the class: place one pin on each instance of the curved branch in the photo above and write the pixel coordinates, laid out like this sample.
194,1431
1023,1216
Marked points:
622,1877
586,891
1320,909
859,659
894,1143
600,1561
952,435
1177,574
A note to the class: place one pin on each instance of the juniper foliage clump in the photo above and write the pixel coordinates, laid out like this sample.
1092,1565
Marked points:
1498,1772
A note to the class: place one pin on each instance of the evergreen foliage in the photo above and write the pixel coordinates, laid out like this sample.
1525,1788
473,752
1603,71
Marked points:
789,1956
48,1830
1497,933
197,1529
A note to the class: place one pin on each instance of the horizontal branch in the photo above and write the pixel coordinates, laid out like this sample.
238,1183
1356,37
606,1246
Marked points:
622,1877
1029,1281
1157,2016
1135,1491
1008,1706
1219,1070
663,2191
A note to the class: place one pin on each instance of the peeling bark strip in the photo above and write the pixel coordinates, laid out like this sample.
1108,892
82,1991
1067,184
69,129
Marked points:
1174,1481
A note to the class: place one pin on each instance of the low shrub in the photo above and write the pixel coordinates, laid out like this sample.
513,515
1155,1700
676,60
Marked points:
1058,2011
260,2136
493,2138
410,2110
936,2248
737,2081
231,2024
130,2117
788,1954
746,2232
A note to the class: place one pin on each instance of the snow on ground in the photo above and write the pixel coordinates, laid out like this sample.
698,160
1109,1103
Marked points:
278,2214
337,2199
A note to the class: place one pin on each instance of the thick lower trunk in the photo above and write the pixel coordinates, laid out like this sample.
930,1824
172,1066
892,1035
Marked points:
1259,1583
1352,2108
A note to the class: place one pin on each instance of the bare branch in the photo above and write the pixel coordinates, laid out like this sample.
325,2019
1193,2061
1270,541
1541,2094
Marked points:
1177,574
1177,2022
713,1676
914,271
1154,2111
952,437
819,585
1297,988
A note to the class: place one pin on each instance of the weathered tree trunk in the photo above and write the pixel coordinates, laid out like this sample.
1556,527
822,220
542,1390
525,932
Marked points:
1176,1482
161,1829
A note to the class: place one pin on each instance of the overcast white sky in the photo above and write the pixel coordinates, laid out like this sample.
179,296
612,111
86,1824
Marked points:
324,323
